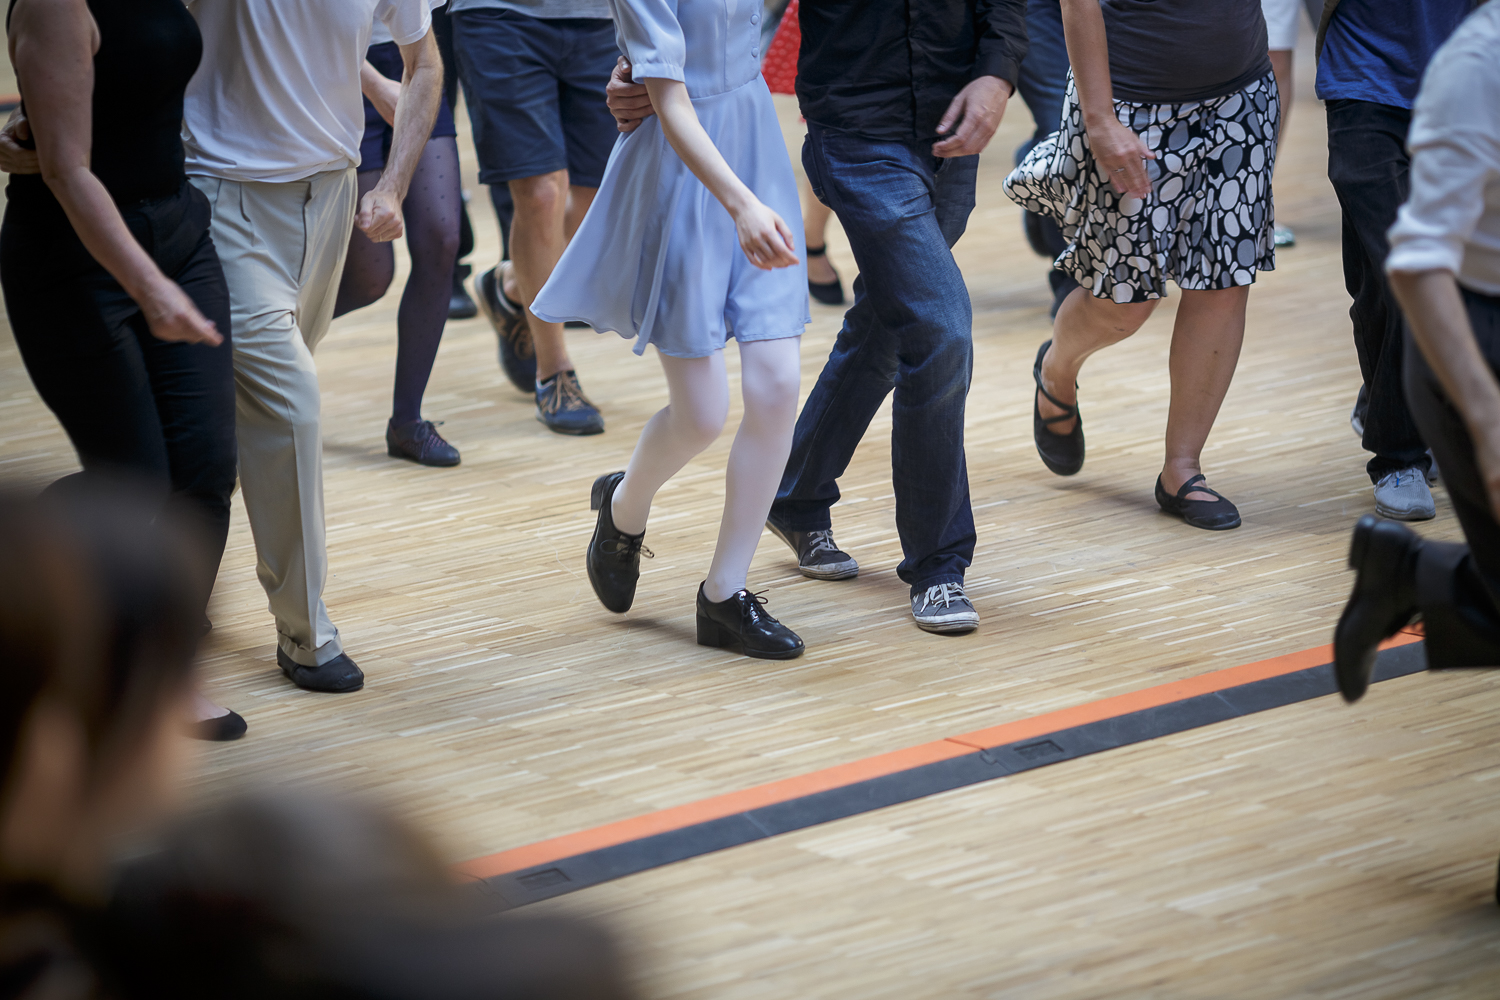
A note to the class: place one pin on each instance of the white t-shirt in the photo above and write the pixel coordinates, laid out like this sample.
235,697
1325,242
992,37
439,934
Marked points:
380,34
277,95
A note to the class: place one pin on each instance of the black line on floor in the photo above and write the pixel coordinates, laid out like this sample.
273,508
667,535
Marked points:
570,874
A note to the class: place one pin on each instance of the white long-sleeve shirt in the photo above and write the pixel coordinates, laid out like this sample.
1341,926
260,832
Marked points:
1451,221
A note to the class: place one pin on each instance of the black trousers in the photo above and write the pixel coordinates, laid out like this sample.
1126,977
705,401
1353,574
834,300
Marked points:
1370,170
131,404
1458,586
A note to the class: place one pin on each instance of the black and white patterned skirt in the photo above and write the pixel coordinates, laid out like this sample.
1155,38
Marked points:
1208,221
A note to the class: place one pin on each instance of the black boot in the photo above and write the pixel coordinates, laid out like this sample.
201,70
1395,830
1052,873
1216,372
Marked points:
614,558
1384,555
742,624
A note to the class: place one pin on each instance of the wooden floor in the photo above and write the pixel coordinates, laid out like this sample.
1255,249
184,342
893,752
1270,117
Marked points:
1312,851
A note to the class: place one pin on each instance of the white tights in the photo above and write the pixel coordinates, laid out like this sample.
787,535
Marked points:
698,404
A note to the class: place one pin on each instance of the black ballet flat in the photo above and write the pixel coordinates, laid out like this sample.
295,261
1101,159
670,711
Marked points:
614,558
223,729
1210,515
743,625
1062,453
830,293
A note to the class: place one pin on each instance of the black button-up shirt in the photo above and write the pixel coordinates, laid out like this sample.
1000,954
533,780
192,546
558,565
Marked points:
888,69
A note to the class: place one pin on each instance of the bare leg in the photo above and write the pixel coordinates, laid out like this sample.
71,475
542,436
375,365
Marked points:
1084,324
537,238
579,200
815,223
770,373
1205,349
697,406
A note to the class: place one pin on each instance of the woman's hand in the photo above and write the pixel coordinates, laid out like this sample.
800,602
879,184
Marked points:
765,237
14,157
1122,156
172,316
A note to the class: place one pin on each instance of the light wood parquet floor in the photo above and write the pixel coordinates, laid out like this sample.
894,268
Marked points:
1314,851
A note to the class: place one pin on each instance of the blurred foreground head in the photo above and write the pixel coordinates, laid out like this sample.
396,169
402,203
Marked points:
98,631
294,896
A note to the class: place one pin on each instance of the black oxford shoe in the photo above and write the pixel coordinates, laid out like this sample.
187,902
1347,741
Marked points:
742,624
614,558
337,676
1384,556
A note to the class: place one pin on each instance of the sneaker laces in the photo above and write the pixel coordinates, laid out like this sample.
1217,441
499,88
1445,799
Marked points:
565,394
944,595
820,541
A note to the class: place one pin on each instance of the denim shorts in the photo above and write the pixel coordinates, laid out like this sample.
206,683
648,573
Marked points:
535,91
376,144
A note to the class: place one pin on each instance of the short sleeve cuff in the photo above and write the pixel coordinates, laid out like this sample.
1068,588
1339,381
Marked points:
656,71
1424,254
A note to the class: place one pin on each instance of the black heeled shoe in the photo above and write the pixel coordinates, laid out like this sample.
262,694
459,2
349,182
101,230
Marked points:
830,293
1210,515
741,624
1062,453
614,558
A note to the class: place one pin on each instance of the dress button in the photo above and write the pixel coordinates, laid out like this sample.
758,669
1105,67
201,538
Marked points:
755,53
754,18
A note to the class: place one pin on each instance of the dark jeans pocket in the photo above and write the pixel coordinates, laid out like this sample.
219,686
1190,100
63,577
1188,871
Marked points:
811,163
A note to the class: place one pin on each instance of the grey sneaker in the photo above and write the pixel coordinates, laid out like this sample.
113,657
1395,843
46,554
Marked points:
1404,496
817,555
944,608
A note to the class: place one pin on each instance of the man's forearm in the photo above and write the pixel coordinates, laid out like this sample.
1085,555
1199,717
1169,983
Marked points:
421,92
1440,325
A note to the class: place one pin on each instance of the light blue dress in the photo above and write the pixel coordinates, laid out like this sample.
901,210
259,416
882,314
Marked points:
657,257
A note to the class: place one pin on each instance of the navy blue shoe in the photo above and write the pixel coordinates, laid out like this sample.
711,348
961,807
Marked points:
562,406
517,352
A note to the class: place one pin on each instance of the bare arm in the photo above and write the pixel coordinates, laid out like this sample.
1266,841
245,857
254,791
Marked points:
382,91
52,46
1440,325
1119,151
421,90
764,236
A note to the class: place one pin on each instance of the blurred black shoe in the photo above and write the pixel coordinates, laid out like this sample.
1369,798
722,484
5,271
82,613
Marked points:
562,406
1383,554
460,306
221,729
337,676
517,353
830,293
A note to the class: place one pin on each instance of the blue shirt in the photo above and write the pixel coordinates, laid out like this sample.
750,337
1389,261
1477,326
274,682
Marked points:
1377,50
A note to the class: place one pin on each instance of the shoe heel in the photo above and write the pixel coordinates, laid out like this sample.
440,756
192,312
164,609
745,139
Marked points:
596,494
1363,528
711,633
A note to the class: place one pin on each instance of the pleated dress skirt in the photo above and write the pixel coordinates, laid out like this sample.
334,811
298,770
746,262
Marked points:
657,258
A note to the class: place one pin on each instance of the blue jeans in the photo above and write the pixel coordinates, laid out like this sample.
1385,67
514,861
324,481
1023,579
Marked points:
909,330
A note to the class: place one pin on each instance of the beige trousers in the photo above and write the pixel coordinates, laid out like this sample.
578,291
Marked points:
283,246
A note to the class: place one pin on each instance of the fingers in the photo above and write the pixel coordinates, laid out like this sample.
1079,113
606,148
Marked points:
954,112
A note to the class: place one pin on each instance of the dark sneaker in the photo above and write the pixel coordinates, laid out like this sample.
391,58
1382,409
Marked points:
743,625
944,608
517,353
817,556
460,306
562,406
419,442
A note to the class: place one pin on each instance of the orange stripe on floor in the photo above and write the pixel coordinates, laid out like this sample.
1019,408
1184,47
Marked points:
732,803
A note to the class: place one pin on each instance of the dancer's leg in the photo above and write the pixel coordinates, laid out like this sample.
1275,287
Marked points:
815,224
368,266
1205,349
697,405
431,212
1084,324
770,373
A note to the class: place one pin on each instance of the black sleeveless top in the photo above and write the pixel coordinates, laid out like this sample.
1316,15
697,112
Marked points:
148,51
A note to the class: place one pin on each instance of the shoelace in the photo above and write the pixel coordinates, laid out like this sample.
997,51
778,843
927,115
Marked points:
750,610
627,546
820,541
567,394
944,594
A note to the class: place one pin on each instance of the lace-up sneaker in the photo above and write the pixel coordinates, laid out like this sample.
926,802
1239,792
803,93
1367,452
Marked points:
562,406
944,608
1404,496
420,442
517,353
817,556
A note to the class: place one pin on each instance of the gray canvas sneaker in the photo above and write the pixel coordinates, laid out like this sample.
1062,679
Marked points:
944,608
1404,496
818,558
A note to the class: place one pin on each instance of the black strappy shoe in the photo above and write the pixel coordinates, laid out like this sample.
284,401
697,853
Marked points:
1210,515
830,293
1062,453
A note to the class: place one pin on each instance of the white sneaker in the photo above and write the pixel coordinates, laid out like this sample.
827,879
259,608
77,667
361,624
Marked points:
944,608
1404,496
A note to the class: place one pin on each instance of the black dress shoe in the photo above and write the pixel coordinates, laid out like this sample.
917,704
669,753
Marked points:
743,625
1383,554
223,729
460,306
614,558
1210,515
420,442
337,676
1062,453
